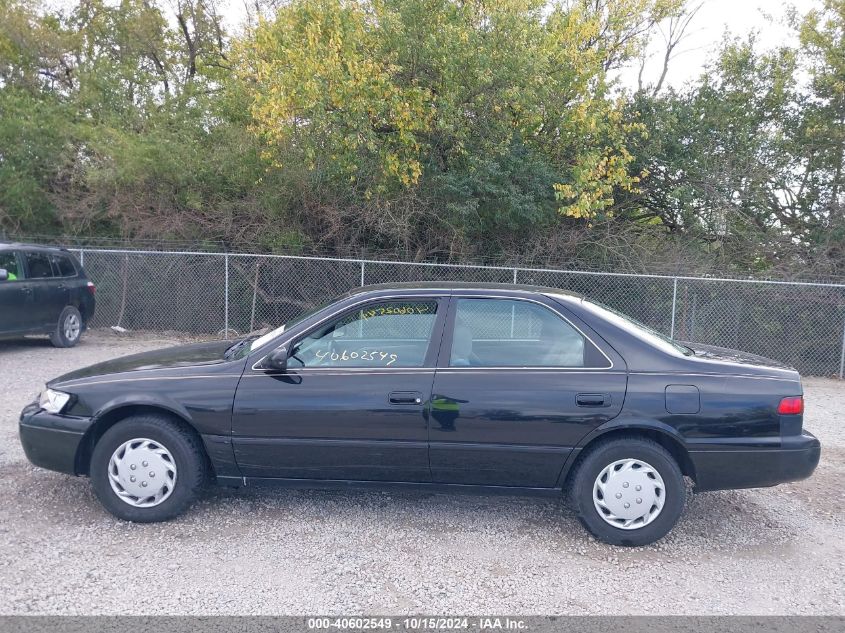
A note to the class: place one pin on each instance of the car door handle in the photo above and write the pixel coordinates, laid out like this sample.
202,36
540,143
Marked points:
405,397
593,399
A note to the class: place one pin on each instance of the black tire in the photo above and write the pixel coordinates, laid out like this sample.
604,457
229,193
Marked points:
188,455
591,464
65,335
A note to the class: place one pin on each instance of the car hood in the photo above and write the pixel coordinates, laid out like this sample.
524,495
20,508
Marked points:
725,355
210,353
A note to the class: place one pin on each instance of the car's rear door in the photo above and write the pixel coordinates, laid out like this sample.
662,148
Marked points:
353,403
67,280
50,293
517,386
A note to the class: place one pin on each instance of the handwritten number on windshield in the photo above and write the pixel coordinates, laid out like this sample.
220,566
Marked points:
345,356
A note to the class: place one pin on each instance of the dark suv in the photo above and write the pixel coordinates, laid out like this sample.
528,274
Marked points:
43,290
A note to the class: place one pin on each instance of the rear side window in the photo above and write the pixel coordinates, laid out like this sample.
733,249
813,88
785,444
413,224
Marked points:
38,265
511,333
62,266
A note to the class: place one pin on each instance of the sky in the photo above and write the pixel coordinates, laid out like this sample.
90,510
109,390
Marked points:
740,17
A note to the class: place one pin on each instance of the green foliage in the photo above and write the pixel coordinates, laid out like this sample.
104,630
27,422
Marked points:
437,127
385,95
32,138
745,161
822,132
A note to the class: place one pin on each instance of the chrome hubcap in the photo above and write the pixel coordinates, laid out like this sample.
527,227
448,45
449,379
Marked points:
71,327
142,472
629,494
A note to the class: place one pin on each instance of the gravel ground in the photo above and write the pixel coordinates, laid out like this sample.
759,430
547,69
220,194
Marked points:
772,551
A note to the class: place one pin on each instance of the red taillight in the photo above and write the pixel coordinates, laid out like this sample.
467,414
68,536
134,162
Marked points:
791,406
92,288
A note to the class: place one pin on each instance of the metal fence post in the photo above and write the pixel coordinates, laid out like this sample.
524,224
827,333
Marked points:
362,273
81,257
674,304
514,275
226,297
842,354
254,295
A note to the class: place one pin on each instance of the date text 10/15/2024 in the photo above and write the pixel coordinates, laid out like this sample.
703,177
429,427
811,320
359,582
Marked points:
419,623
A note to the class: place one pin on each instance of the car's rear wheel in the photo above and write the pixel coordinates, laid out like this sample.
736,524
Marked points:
628,491
147,468
68,329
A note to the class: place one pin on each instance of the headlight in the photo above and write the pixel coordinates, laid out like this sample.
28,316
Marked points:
53,401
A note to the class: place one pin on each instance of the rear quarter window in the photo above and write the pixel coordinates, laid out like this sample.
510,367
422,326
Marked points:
63,266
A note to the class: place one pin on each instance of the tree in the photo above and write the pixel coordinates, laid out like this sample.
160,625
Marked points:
458,99
822,135
438,128
718,161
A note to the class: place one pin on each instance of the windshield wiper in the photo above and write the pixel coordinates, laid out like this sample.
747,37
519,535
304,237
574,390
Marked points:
237,346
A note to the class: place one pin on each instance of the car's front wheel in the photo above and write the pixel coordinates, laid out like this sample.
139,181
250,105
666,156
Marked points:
68,329
147,468
628,491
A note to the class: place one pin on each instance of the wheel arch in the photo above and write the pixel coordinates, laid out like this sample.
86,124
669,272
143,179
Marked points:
105,420
79,303
666,437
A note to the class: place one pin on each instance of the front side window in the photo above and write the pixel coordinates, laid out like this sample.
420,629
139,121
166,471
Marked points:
511,333
38,265
384,334
9,262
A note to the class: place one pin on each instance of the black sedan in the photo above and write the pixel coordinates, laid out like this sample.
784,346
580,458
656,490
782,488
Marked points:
456,386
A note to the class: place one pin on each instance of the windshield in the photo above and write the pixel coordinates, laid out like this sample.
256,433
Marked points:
641,330
246,345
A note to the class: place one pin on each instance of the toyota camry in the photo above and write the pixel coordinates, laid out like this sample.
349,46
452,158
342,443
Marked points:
499,388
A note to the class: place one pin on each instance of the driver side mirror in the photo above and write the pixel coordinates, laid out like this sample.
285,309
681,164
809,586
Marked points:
277,360
4,274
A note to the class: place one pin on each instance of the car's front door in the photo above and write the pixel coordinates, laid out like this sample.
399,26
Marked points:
353,403
517,386
16,295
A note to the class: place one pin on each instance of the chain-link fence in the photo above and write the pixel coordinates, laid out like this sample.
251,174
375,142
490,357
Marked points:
800,323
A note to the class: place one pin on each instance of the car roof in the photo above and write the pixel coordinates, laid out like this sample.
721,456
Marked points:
452,286
9,246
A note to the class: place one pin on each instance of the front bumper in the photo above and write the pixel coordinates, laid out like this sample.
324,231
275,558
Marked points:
51,440
736,467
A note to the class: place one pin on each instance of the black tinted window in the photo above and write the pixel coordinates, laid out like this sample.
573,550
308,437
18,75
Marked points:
62,266
38,265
